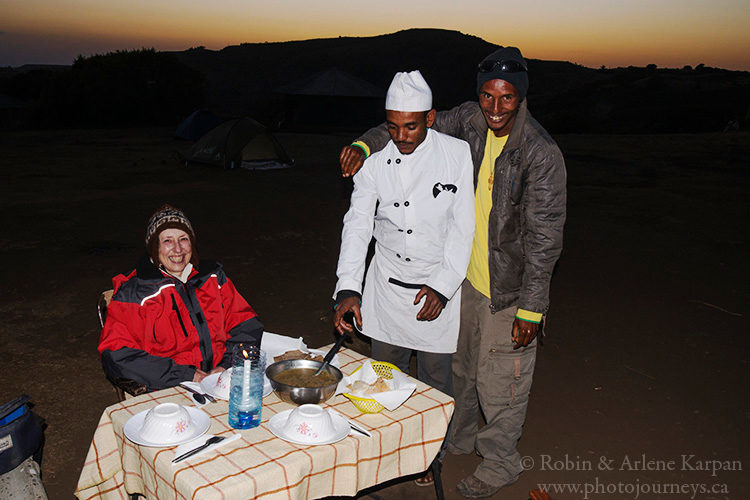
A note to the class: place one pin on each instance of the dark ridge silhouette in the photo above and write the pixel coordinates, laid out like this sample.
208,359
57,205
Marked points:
6,71
123,88
243,80
244,76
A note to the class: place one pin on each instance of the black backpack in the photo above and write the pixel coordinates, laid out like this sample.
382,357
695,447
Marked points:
21,435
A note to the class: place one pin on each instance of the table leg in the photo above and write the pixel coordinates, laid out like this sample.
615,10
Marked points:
436,467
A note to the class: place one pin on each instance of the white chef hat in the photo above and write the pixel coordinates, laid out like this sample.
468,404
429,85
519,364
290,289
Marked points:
408,92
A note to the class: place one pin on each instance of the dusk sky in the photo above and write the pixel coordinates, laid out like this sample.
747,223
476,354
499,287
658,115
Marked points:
669,33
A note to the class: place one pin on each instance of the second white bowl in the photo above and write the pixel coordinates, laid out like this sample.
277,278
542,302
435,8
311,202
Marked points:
309,423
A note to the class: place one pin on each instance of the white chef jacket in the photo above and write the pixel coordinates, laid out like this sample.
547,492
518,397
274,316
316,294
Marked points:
422,205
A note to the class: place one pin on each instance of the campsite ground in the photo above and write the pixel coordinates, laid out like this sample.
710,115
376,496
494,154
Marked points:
647,347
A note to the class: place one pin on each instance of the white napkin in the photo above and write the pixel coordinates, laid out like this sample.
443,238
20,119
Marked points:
275,345
401,386
191,445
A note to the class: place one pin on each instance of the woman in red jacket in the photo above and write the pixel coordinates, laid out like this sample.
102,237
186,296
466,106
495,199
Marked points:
174,318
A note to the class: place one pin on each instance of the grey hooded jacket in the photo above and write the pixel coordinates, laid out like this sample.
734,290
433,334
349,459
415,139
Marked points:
528,202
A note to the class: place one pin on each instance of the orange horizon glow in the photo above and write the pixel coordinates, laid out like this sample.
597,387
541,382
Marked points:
669,33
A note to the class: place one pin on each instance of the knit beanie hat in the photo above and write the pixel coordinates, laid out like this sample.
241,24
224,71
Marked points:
165,218
506,63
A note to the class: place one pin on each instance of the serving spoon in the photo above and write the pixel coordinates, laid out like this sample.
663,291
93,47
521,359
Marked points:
331,353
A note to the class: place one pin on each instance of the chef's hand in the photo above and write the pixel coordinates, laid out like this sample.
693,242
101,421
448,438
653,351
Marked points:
351,160
199,375
343,307
432,305
523,332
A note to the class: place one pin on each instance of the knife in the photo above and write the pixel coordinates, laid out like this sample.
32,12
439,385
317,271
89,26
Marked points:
351,424
358,429
209,442
207,396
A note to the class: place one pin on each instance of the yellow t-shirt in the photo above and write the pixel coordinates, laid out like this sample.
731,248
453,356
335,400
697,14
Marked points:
479,264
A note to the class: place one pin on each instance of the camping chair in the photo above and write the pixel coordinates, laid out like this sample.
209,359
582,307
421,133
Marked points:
122,386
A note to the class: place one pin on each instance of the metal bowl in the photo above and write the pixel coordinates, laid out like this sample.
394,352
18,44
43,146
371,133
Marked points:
302,395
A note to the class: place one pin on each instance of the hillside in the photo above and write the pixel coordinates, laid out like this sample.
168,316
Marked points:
243,79
566,97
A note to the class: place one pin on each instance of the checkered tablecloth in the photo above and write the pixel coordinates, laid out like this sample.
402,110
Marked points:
260,465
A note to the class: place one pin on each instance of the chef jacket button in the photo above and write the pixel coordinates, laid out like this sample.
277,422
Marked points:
395,204
398,160
400,230
407,259
406,203
388,162
408,231
398,255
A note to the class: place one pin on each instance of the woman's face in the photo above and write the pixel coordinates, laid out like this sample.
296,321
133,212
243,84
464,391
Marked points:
175,250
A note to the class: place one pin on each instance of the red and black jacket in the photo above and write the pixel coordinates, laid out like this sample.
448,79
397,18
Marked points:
159,330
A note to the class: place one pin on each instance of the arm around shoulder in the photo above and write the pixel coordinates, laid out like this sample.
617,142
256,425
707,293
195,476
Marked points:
455,120
352,157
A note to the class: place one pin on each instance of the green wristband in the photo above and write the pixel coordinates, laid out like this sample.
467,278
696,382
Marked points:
360,147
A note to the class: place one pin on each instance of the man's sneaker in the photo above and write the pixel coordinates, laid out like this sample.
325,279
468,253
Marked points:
473,487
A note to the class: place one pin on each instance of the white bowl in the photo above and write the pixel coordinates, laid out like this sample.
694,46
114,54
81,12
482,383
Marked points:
223,383
211,385
309,424
199,424
166,423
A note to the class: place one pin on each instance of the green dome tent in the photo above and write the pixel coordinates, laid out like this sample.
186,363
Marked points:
197,125
240,143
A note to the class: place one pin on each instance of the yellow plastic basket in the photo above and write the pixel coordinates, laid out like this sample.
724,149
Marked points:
368,405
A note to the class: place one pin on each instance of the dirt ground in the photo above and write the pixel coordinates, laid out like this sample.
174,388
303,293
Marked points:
640,385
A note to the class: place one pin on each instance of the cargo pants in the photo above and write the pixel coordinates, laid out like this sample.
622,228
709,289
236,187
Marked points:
489,375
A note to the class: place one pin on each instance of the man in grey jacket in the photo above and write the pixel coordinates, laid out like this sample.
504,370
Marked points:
519,179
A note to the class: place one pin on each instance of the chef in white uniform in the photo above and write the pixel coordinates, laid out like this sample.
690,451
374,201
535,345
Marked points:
416,197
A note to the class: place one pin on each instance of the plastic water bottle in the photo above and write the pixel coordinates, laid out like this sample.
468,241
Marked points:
246,389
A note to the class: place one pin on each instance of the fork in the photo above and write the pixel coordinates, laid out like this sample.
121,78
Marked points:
209,442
